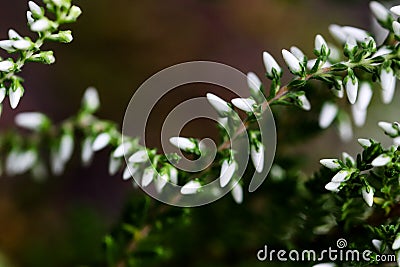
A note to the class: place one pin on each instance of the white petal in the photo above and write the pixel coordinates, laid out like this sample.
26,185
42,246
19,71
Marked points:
227,171
190,188
22,44
332,164
30,120
160,182
345,129
245,104
396,10
297,53
15,97
364,142
381,160
237,193
258,158
87,151
305,103
121,149
6,65
218,104
129,171
377,244
7,45
254,83
66,147
182,143
388,82
101,141
359,115
396,243
338,33
35,8
368,196
332,186
40,25
388,128
364,96
359,34
29,17
13,35
351,89
396,28
382,51
291,61
320,42
270,63
148,176
380,12
346,157
327,115
114,165
341,176
139,156
91,99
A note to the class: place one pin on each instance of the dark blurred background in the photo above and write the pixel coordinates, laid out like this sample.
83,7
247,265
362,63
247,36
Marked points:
118,45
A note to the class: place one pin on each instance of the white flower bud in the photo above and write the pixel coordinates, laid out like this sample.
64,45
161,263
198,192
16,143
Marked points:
129,172
182,143
332,186
380,12
219,105
257,157
29,17
351,44
304,102
358,34
396,28
381,160
66,147
148,176
245,104
15,96
2,94
13,35
320,44
338,33
368,195
292,62
270,64
382,51
388,83
190,188
388,128
35,9
22,44
396,10
87,151
56,163
359,115
114,165
7,45
346,157
328,114
364,96
74,13
396,243
6,65
122,149
139,157
160,182
101,141
40,25
90,100
237,193
345,128
173,175
254,83
377,244
396,141
351,88
364,142
31,120
297,53
332,164
339,92
227,171
341,176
